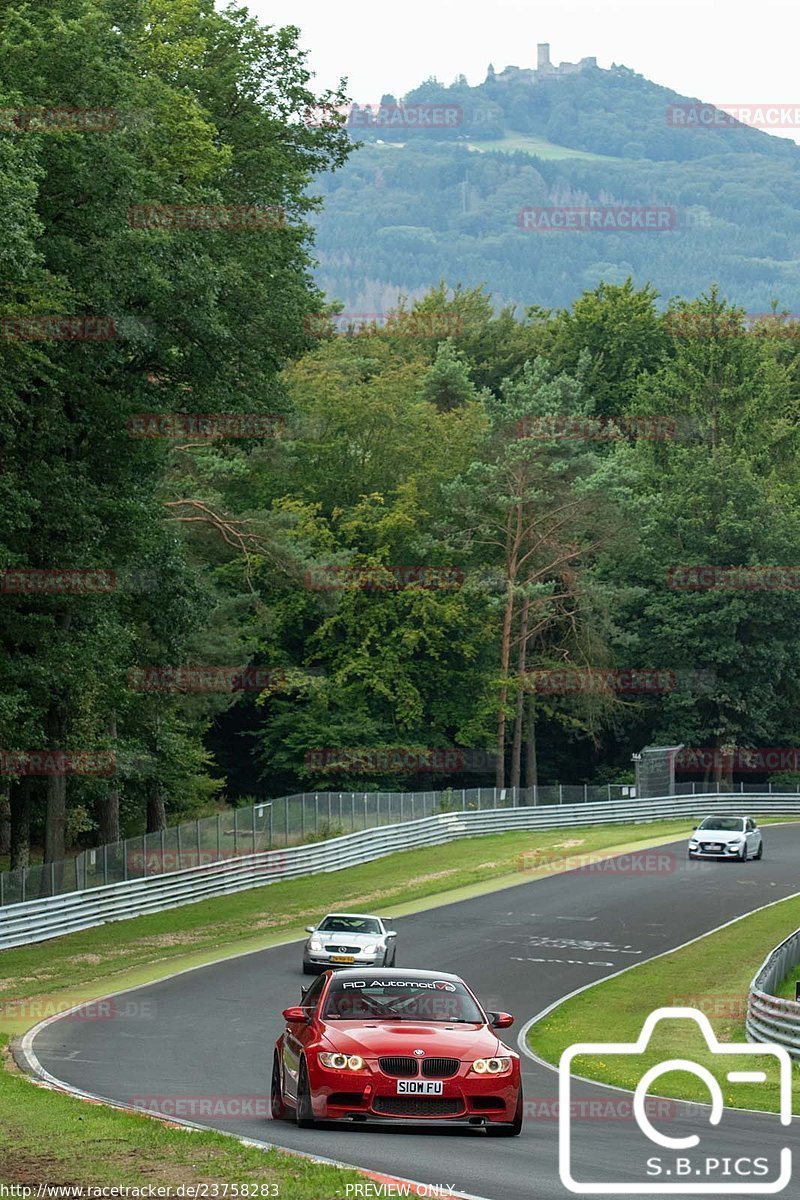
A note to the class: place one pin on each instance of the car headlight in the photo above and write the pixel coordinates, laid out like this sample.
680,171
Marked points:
372,948
736,842
491,1066
694,843
315,945
342,1062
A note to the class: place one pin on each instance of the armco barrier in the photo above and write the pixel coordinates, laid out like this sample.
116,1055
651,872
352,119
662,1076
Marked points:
771,1018
37,920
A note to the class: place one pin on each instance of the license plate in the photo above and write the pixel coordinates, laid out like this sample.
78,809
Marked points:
342,958
419,1087
713,848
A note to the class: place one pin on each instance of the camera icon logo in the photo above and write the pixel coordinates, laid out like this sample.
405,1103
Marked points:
684,1167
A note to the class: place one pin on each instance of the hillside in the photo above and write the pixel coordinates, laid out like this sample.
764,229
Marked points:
413,205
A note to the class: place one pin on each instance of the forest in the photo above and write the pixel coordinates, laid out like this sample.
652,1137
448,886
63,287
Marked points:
250,547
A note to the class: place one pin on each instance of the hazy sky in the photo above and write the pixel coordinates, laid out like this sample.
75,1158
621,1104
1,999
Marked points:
722,51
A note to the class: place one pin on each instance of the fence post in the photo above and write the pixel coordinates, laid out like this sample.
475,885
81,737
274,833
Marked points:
286,817
52,878
219,836
180,860
353,812
560,793
124,863
105,866
253,810
316,813
303,817
24,875
235,834
585,792
608,790
197,830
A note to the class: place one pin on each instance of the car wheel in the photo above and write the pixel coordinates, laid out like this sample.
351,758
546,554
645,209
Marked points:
308,969
277,1103
304,1113
512,1130
742,855
760,850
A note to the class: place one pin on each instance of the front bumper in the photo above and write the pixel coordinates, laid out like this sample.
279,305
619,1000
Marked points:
326,962
370,1095
703,850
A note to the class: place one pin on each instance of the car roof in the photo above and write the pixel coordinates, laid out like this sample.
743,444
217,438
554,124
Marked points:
727,816
393,973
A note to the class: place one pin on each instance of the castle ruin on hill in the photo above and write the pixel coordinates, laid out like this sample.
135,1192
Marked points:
544,68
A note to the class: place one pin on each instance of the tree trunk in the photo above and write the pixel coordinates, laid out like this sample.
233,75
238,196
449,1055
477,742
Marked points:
5,818
20,805
56,793
156,813
505,655
516,750
531,763
109,804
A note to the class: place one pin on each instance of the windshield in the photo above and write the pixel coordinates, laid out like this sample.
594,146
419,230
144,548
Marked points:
401,999
349,925
724,824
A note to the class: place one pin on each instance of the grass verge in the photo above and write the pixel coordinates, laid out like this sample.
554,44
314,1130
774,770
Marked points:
61,1140
712,975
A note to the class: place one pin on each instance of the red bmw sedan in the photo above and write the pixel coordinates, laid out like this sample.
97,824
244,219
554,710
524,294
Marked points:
382,1045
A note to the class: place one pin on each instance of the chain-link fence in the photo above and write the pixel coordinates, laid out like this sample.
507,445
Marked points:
289,821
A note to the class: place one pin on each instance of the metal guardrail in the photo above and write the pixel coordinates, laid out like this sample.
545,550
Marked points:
772,1018
38,920
290,821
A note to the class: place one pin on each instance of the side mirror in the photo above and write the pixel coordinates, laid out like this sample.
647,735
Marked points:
310,928
296,1014
695,827
391,933
500,1020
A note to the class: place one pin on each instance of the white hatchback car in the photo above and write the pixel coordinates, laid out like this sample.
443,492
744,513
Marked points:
349,940
726,837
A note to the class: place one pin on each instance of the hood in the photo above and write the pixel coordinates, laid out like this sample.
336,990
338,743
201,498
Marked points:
723,836
346,939
404,1037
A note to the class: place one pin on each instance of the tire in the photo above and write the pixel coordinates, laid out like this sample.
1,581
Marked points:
277,1102
308,969
760,854
512,1130
742,855
304,1114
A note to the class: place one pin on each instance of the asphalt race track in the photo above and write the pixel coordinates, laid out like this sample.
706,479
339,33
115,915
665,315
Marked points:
210,1032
